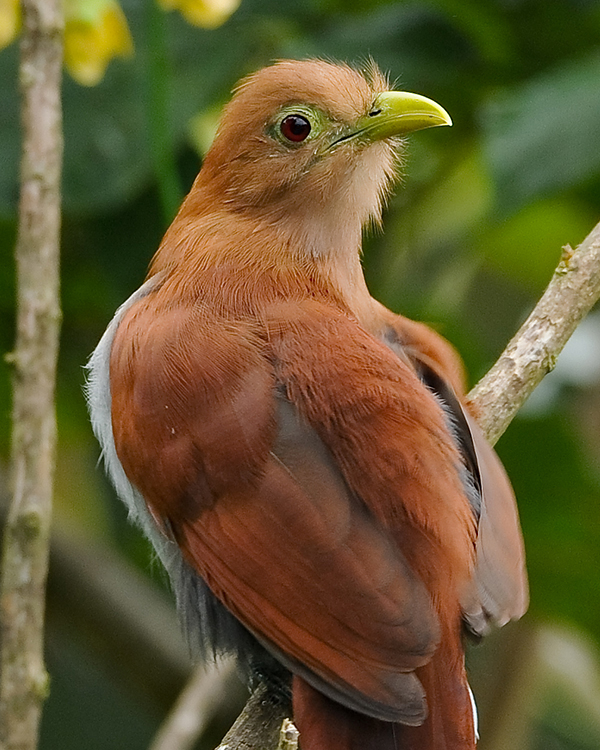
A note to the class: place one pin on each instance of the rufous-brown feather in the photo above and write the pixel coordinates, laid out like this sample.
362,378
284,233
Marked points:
304,447
499,591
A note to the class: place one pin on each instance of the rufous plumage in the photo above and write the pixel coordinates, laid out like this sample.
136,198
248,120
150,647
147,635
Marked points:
299,455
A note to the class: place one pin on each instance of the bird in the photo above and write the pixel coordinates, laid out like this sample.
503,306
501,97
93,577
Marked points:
302,458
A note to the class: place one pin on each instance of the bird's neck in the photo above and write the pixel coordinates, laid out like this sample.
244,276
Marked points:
325,234
294,250
328,245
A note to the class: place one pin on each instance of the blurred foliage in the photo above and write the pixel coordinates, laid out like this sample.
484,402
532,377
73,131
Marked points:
95,32
471,236
10,19
206,13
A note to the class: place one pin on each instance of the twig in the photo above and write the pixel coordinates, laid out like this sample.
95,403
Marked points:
288,736
23,679
196,705
532,353
259,725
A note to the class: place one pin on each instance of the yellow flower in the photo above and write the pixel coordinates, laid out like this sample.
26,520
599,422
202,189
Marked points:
10,19
206,13
95,32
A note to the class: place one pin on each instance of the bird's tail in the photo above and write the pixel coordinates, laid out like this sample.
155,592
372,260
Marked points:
450,724
327,725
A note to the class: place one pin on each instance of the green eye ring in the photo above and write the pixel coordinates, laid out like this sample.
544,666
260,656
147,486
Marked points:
297,124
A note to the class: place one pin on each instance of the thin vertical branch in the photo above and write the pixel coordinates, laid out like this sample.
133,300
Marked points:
23,679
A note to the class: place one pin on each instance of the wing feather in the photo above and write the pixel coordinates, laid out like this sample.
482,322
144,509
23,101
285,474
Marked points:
499,591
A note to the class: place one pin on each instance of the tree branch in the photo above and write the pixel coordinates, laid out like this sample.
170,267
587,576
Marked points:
532,353
23,679
260,725
196,705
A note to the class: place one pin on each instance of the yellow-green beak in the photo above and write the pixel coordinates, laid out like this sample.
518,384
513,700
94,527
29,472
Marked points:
399,113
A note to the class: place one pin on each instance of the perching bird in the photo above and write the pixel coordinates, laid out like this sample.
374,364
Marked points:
297,453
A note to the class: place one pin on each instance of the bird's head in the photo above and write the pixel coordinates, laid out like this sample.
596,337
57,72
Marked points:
306,144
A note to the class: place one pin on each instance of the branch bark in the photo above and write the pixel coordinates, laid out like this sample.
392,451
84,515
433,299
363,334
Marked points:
23,679
260,725
531,354
196,705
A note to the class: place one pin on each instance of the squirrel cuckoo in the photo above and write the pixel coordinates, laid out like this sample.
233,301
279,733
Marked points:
300,456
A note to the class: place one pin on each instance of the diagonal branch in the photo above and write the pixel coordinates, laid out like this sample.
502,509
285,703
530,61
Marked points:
532,353
23,680
209,685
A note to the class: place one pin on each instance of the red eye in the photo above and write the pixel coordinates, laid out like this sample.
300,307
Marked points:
295,128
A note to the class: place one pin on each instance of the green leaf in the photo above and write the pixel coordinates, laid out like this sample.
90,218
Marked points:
544,136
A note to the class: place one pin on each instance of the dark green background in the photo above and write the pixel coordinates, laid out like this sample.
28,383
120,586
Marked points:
470,241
